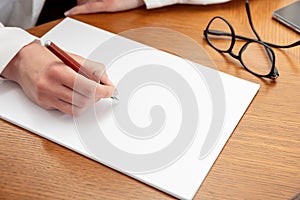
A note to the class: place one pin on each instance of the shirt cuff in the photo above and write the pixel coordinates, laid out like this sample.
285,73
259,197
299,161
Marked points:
12,40
2,80
150,4
160,3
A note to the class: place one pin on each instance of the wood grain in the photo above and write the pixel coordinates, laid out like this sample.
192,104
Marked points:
261,160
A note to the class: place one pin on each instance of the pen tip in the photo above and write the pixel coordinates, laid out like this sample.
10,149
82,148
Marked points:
115,98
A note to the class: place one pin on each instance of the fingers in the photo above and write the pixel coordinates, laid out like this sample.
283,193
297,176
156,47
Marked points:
90,7
94,6
96,69
48,82
70,92
73,98
82,92
62,98
71,102
66,107
105,80
86,87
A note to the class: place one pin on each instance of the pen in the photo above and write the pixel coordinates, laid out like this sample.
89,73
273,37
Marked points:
71,62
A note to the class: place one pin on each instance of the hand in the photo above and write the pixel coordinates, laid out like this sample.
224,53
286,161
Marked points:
51,84
94,6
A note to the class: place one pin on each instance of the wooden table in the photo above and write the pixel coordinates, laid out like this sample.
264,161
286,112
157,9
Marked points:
261,160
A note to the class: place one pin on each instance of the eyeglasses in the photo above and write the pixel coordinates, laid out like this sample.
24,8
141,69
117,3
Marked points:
256,56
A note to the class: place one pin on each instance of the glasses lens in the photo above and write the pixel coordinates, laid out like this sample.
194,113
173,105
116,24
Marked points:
219,34
257,58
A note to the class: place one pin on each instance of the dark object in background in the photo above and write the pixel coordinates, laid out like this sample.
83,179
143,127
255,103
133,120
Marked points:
289,16
297,197
54,9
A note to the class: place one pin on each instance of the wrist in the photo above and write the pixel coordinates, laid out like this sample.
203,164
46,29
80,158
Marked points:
13,69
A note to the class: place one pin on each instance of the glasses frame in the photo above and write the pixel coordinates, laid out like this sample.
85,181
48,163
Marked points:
273,74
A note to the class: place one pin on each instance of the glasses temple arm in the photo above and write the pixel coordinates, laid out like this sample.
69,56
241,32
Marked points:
221,33
257,36
270,44
250,20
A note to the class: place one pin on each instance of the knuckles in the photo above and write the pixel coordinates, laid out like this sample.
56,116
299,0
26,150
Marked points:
83,102
54,72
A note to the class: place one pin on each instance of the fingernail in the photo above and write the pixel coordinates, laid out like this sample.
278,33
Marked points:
67,13
115,93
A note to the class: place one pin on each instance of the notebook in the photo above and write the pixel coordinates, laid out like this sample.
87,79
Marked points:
171,123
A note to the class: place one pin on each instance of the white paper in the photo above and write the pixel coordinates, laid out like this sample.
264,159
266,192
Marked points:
182,175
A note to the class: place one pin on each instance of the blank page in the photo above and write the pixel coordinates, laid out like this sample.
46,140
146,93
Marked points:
172,121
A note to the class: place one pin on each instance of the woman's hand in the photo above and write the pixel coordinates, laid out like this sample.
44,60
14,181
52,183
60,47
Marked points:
47,81
94,6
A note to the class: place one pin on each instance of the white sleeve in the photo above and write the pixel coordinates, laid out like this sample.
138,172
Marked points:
12,40
20,13
160,3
